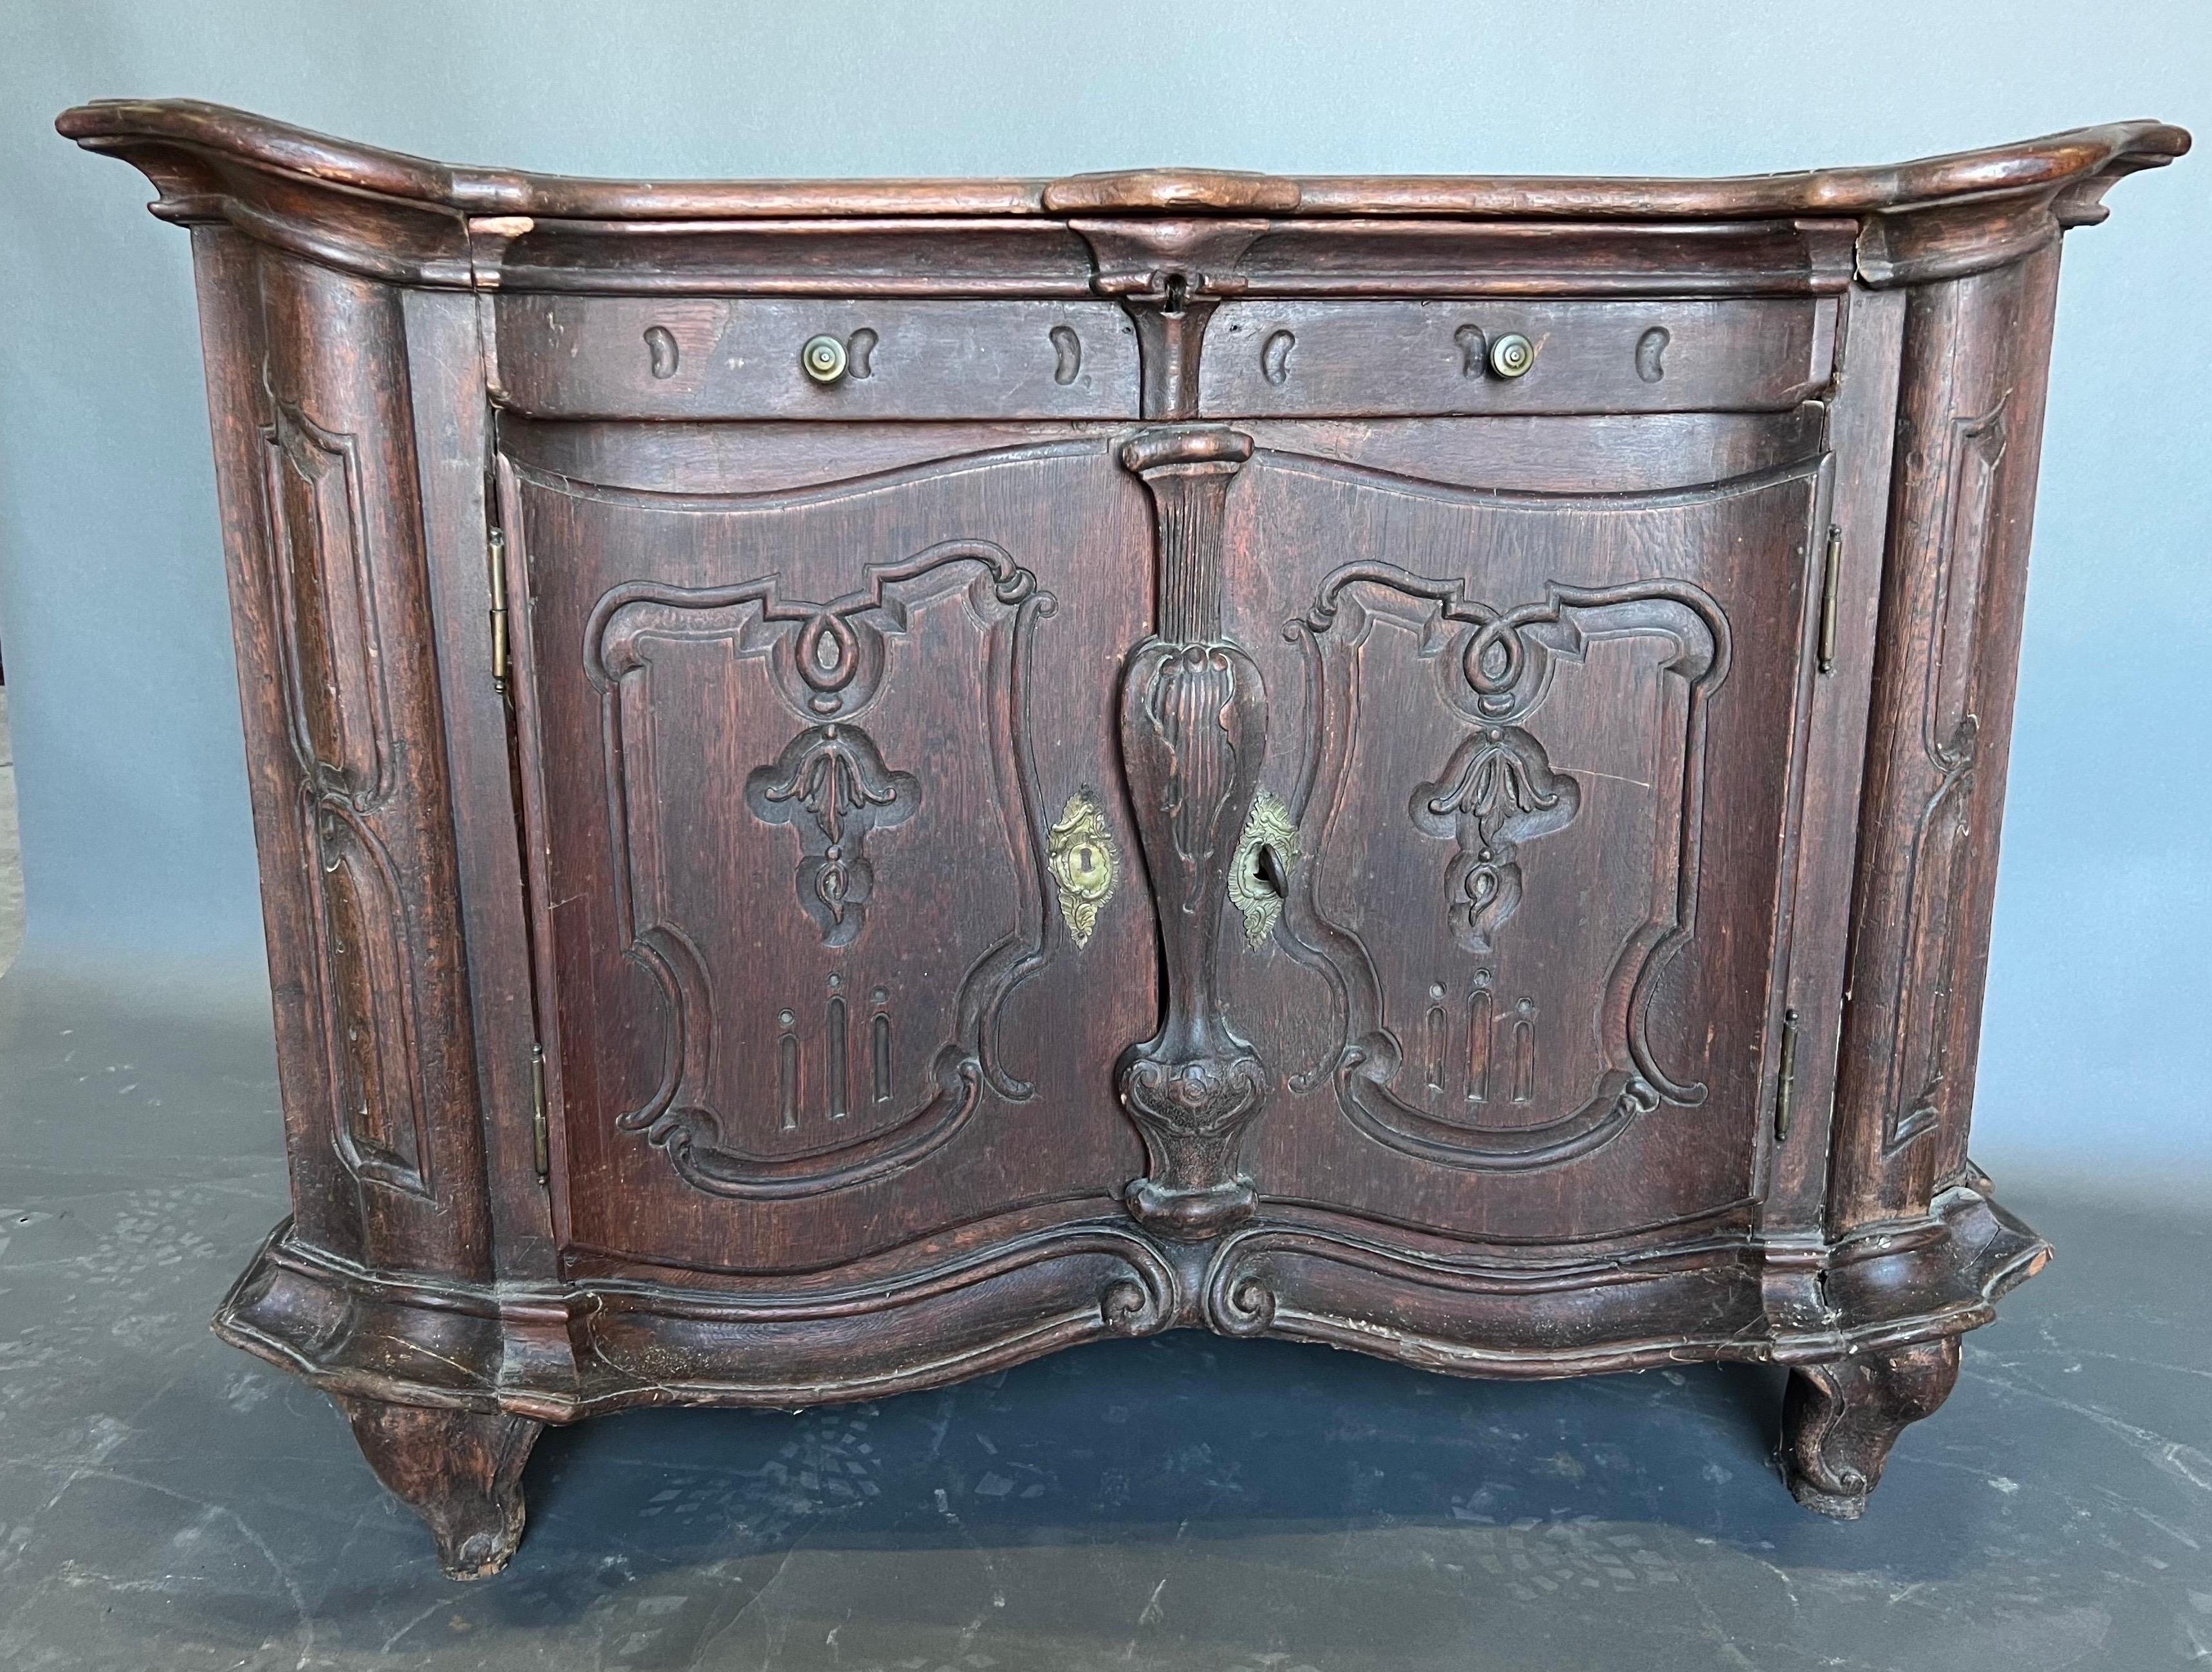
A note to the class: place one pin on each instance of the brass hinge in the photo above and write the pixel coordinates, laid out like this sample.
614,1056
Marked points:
540,1146
496,545
1785,1082
1832,576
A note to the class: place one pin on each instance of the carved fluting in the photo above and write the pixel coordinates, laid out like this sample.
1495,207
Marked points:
1840,1420
1188,470
1193,728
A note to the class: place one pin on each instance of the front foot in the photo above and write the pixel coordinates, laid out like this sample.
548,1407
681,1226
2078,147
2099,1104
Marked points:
1840,1419
461,1471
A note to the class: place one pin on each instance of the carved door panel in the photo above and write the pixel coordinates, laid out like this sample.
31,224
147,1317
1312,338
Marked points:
1512,890
835,922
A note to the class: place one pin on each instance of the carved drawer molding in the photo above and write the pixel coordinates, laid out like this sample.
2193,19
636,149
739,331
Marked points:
860,781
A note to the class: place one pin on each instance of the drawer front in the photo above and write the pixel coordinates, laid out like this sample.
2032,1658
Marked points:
712,357
1313,359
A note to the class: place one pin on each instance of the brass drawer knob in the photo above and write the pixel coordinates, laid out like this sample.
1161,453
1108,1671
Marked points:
823,359
1512,355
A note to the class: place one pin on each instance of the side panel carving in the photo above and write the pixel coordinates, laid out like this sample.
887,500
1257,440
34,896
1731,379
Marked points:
1969,430
1949,740
331,648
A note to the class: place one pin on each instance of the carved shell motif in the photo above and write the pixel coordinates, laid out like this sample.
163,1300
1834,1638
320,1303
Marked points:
1080,853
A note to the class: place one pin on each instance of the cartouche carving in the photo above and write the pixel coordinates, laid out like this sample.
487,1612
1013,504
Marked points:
830,785
1193,728
1497,793
1079,851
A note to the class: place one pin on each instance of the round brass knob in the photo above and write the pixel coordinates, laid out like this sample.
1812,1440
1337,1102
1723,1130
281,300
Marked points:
823,359
1512,355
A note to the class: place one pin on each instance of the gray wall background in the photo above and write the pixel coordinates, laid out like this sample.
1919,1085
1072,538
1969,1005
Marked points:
137,843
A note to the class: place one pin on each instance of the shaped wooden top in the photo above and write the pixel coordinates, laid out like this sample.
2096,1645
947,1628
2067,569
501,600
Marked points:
216,132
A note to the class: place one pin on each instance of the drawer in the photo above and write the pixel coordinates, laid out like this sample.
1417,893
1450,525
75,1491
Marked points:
713,357
1315,358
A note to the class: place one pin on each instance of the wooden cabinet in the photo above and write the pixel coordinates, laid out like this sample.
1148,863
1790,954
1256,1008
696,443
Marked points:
858,782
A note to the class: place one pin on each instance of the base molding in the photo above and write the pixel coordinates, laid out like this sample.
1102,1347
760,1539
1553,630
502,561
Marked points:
448,1385
559,1353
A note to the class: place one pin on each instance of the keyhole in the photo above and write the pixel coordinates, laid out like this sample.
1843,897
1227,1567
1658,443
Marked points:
1267,866
1177,287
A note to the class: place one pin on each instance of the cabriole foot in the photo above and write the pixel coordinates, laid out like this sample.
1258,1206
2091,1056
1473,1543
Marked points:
461,1471
1840,1419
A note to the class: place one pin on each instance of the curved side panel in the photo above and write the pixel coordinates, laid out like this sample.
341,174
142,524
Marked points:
349,657
1970,427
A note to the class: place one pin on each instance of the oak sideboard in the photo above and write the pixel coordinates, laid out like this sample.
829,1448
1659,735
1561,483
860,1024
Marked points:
860,781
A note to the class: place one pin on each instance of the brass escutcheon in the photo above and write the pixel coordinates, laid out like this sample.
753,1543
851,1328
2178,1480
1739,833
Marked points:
1080,855
1260,874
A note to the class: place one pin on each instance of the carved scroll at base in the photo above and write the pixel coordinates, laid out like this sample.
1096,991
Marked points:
1840,1420
1194,727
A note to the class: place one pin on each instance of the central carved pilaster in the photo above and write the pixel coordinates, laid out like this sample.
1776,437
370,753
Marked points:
1194,728
1169,276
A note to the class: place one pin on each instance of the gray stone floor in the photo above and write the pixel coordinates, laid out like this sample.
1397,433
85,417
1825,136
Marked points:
1178,1505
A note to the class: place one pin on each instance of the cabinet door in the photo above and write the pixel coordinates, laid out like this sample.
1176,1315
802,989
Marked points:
836,928
1513,890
